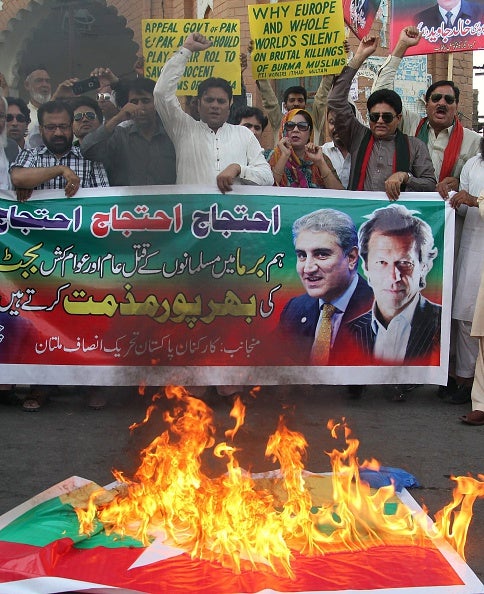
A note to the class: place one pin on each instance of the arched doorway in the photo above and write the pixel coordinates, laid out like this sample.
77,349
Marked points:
68,38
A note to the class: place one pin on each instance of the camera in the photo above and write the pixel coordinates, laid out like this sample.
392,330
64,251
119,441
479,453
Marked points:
84,86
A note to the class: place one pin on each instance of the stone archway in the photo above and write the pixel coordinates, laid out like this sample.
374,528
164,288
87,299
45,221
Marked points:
69,38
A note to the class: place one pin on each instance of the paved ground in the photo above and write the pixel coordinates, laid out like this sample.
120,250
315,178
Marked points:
422,435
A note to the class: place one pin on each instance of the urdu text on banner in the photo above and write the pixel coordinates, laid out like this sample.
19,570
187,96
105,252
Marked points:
183,285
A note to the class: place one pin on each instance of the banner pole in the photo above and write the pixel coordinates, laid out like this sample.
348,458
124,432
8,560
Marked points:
450,66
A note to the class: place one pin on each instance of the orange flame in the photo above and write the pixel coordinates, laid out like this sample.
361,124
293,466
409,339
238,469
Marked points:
232,519
453,524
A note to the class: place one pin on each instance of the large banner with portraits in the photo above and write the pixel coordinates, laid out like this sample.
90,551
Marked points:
184,285
446,27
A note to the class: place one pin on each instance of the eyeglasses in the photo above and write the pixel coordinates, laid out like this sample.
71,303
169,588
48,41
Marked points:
103,96
53,127
436,97
90,115
302,126
16,116
386,116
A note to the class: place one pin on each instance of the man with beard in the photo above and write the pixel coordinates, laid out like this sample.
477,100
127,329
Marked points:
57,164
450,144
336,150
139,152
38,86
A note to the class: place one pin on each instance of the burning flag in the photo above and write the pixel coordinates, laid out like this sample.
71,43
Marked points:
173,529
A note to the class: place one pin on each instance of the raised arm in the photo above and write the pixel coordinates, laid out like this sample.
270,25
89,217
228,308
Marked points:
166,101
385,79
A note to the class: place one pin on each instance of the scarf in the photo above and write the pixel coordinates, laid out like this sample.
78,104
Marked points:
401,158
452,150
297,173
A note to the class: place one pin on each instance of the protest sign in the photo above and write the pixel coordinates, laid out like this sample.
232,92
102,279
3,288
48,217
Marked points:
293,39
464,32
168,285
161,38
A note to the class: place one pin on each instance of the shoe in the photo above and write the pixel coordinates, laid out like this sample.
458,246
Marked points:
96,400
8,396
356,392
402,391
476,417
461,395
451,386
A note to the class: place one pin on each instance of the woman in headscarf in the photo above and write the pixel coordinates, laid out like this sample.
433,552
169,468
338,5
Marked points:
296,161
9,149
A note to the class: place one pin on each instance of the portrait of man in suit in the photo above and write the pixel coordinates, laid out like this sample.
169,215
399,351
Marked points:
314,324
448,13
397,249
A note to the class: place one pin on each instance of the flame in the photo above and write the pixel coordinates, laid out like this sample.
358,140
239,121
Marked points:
453,524
235,521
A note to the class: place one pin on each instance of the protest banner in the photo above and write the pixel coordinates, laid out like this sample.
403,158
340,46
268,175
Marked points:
464,33
359,15
161,39
182,285
293,39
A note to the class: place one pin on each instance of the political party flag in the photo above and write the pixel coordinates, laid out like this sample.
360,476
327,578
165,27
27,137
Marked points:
41,550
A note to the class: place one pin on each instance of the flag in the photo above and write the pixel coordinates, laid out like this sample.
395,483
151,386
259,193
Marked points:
41,550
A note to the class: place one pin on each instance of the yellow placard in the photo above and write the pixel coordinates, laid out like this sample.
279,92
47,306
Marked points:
293,39
162,38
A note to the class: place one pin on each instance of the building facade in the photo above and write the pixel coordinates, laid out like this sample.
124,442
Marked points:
71,37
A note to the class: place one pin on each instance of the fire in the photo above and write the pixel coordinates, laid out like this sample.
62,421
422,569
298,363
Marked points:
235,520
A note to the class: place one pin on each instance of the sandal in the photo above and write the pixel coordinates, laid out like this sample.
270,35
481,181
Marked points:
35,401
476,417
96,401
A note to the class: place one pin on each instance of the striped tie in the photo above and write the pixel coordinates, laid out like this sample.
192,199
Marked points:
322,342
448,16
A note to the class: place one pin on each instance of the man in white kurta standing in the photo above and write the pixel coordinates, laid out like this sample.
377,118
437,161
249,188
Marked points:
467,274
208,151
476,417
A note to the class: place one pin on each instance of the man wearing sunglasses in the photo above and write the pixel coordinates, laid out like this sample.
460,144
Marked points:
87,117
450,144
18,119
382,158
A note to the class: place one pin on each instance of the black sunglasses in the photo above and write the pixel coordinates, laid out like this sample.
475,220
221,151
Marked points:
303,126
19,117
90,115
436,97
386,116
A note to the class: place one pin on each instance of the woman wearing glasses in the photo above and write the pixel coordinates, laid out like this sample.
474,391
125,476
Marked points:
296,161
